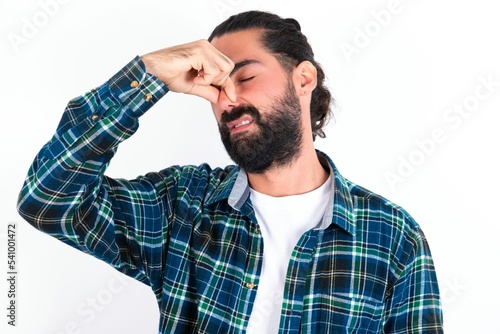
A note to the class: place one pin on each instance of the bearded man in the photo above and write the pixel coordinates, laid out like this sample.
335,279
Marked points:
280,242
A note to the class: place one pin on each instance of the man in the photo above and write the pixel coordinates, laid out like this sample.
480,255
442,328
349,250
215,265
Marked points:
280,243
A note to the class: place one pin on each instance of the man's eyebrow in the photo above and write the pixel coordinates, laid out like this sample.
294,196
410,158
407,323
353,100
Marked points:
243,63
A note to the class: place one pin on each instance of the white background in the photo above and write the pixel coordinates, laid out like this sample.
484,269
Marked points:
395,120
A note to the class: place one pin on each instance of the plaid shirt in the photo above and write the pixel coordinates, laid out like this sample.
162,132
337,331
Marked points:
190,232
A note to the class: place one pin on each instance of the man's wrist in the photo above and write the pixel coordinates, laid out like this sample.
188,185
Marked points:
134,85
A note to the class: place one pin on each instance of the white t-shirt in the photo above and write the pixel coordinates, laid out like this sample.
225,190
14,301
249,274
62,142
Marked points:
282,221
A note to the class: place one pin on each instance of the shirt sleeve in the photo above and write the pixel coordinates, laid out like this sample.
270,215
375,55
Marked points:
413,304
67,195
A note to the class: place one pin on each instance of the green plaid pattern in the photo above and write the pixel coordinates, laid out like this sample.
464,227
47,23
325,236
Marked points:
190,232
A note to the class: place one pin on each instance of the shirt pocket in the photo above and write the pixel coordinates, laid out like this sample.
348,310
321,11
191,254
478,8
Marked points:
342,313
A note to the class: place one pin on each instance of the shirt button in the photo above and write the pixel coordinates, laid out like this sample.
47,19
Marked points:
256,230
94,117
134,84
148,97
249,285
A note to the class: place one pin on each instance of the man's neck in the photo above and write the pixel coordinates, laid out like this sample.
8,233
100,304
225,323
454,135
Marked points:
301,176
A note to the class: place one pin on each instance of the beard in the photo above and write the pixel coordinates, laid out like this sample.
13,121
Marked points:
275,143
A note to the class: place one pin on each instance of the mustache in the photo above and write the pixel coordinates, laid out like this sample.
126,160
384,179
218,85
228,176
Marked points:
238,112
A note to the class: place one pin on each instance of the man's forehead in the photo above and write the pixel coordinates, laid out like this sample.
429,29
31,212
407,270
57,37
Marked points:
243,46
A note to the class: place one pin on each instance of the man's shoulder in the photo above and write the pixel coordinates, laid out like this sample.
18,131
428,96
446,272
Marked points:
372,198
203,173
371,206
196,180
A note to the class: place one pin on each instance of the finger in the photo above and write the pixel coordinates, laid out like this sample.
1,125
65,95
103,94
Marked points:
229,89
226,85
207,75
222,67
209,93
211,75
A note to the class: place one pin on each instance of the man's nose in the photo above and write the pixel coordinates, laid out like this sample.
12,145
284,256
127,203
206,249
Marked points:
225,103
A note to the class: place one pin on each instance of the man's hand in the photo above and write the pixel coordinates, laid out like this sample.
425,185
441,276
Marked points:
196,68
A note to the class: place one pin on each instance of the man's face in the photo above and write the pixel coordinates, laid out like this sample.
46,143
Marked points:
262,128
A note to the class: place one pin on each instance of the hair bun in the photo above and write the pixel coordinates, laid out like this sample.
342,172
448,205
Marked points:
294,22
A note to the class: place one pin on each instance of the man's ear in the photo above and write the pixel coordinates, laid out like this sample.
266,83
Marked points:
305,78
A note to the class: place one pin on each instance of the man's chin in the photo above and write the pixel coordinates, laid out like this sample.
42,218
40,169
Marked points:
243,141
248,134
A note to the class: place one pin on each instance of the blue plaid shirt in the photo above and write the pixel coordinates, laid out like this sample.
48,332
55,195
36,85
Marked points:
190,232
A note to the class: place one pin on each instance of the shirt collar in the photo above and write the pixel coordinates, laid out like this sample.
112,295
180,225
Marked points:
340,211
233,185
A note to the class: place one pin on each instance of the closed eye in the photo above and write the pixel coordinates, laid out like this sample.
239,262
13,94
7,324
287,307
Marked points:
246,79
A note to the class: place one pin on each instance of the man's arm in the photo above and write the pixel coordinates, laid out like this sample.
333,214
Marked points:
413,305
66,193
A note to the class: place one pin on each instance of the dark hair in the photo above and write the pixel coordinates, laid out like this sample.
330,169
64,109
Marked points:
283,38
